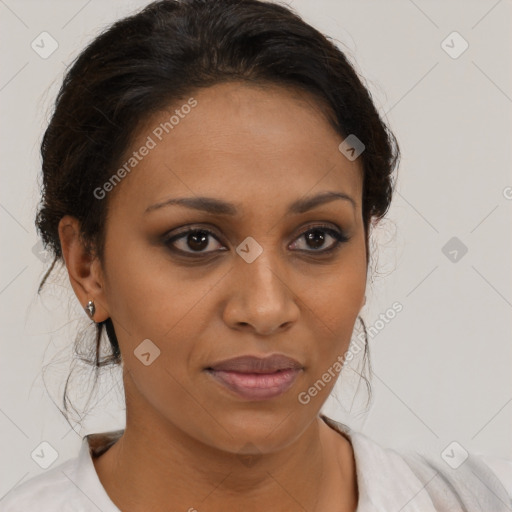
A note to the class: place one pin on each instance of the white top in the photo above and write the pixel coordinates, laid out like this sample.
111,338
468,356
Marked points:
387,481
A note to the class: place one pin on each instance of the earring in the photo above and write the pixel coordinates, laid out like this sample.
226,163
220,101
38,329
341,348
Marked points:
90,308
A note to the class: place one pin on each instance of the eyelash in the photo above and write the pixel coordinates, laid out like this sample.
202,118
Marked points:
339,237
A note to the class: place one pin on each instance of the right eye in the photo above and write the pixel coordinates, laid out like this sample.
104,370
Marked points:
198,240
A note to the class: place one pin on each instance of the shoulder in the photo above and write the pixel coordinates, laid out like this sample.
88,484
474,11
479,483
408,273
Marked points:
440,477
72,486
451,480
465,478
49,491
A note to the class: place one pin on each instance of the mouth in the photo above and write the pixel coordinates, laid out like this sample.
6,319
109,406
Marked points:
256,386
255,378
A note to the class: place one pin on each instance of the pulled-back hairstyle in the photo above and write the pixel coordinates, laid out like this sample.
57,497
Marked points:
144,62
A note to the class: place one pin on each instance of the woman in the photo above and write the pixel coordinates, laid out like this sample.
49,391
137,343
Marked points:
211,174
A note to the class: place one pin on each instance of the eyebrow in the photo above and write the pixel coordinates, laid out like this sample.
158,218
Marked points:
218,207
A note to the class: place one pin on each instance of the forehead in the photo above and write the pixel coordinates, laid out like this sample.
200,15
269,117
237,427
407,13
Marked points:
255,144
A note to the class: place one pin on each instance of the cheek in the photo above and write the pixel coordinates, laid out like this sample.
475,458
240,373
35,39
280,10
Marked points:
333,317
172,308
335,295
333,304
148,293
173,322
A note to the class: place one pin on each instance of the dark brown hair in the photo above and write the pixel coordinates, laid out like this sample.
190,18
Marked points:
146,61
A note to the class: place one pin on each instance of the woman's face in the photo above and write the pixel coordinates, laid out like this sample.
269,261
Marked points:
263,282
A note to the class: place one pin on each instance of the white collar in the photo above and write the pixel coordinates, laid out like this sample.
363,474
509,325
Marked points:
90,484
386,480
378,490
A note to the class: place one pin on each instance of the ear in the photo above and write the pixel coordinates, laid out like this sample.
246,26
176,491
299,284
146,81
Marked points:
84,270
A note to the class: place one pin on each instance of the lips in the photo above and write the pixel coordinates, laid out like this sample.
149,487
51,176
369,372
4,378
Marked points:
255,378
253,364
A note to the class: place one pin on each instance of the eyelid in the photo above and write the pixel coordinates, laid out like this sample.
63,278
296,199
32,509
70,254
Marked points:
339,234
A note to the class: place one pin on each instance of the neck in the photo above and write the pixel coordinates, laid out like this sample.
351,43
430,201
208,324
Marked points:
155,465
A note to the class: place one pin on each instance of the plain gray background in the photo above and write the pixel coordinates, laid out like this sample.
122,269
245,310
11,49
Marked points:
441,365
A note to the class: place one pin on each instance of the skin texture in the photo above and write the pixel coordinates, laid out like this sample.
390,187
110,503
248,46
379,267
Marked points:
261,148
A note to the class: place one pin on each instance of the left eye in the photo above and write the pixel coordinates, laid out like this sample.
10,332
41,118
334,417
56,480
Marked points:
198,240
316,237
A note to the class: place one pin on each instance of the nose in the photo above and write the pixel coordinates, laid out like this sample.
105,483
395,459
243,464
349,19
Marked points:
261,296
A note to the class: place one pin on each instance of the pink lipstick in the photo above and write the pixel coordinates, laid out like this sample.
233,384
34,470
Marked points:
256,378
